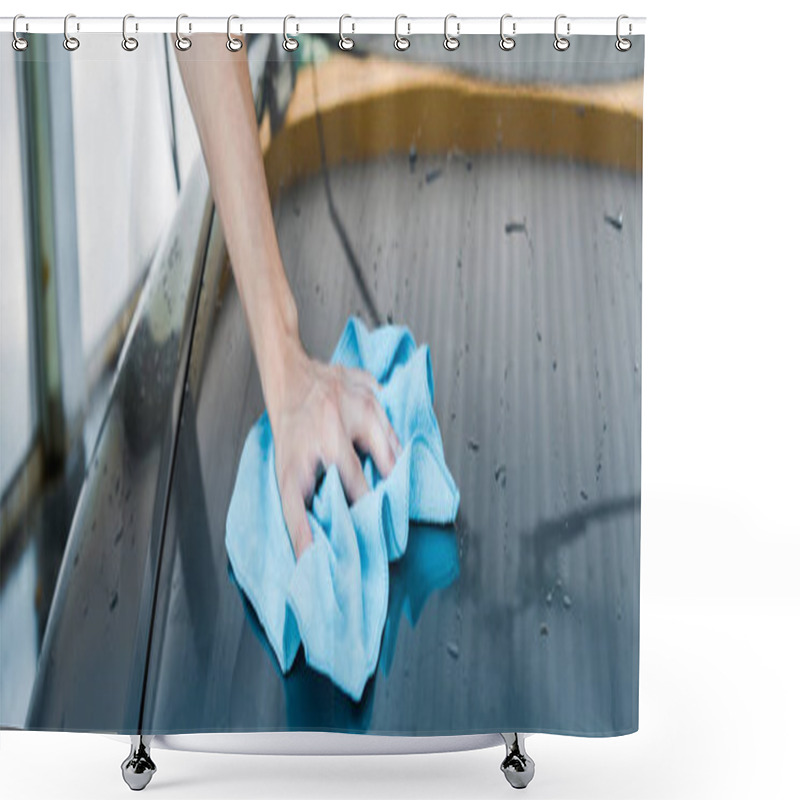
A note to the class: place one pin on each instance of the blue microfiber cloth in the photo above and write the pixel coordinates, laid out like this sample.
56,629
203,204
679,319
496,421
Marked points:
334,597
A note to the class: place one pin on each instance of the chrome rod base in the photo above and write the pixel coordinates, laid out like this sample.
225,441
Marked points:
138,767
517,766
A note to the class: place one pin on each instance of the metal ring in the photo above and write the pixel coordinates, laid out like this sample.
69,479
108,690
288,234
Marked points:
400,42
18,43
129,43
623,45
182,42
71,43
451,42
289,42
234,43
345,42
560,43
507,42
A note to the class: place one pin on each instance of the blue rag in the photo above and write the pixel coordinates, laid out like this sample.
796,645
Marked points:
334,597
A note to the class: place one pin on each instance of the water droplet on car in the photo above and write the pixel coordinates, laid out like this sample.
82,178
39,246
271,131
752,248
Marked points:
433,174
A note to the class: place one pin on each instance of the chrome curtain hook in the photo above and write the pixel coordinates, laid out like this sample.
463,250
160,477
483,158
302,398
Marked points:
560,43
129,43
623,45
17,42
234,44
401,42
345,42
289,42
182,42
71,43
451,42
507,42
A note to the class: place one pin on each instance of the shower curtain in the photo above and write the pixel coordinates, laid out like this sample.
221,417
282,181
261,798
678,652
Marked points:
348,440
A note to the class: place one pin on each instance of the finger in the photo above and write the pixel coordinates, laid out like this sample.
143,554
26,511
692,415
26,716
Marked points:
397,448
372,433
362,377
367,380
353,480
383,418
296,517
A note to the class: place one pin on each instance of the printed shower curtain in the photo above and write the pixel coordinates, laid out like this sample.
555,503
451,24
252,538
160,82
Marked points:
321,385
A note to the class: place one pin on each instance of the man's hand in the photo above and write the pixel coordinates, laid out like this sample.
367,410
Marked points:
322,414
319,414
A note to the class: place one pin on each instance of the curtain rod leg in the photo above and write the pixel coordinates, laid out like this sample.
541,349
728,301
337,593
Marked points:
138,768
517,766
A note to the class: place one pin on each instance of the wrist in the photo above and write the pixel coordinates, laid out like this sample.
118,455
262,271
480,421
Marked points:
279,355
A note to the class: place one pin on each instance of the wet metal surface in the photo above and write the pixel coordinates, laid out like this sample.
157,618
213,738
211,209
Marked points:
531,303
29,568
93,656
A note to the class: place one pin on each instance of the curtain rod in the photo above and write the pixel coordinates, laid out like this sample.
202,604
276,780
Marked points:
591,26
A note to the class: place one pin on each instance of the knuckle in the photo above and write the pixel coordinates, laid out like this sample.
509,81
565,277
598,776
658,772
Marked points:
368,377
329,408
364,406
334,442
379,428
368,406
375,407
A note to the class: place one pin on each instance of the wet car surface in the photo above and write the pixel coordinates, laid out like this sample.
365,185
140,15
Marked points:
523,275
535,347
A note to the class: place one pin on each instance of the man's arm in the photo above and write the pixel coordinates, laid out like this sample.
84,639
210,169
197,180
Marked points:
318,413
217,84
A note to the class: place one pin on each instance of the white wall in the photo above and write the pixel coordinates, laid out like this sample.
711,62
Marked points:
124,166
17,407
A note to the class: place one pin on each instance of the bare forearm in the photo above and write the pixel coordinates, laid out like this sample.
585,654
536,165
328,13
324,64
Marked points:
218,87
320,414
